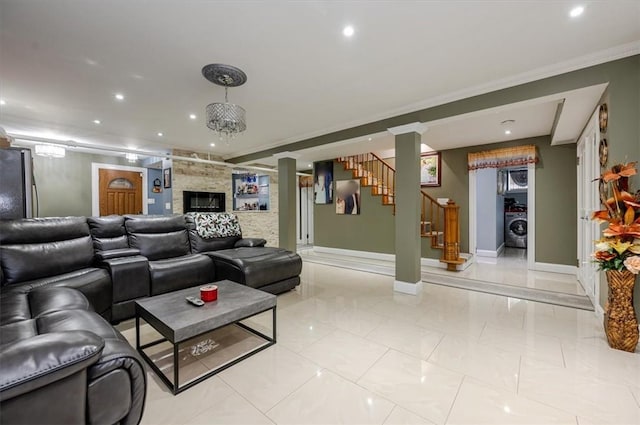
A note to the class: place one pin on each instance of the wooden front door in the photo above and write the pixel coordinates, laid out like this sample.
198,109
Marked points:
120,192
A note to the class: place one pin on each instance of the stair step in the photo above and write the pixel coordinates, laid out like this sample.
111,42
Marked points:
432,234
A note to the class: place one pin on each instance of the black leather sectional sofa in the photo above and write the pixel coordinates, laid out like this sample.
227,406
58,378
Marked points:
64,280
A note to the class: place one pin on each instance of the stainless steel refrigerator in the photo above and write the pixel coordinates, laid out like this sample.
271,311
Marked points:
16,200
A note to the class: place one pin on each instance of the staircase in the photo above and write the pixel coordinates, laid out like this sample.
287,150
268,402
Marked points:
438,222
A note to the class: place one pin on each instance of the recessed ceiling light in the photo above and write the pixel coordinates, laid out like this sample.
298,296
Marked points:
576,11
213,144
309,165
97,121
507,132
3,102
160,134
119,96
192,116
369,138
348,31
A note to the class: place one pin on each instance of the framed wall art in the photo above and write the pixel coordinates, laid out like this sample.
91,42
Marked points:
348,197
430,169
167,178
323,182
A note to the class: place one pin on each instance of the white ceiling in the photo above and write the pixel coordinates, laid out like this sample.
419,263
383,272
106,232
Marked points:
62,62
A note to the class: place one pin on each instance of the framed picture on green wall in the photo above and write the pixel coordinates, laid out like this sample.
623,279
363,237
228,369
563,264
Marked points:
323,182
348,197
430,164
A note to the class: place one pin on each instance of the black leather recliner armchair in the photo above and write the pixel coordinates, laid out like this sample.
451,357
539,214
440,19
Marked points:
62,363
38,252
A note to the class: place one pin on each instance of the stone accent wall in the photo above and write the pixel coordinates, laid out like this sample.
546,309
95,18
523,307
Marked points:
203,177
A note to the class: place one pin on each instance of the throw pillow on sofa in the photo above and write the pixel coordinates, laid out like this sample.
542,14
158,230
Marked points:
216,225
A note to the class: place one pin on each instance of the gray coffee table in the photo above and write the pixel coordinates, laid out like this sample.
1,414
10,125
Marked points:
177,321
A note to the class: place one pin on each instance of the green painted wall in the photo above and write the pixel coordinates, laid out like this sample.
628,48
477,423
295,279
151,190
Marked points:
556,203
623,75
64,184
623,95
372,230
556,200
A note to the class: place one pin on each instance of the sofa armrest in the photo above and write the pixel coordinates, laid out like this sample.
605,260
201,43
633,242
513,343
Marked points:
250,242
116,253
129,277
32,363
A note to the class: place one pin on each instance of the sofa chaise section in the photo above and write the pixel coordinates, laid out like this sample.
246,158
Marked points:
243,260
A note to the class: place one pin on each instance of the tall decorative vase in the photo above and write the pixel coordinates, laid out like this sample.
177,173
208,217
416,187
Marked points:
620,323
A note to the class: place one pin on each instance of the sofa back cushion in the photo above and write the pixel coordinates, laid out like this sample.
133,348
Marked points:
212,231
108,232
158,236
33,248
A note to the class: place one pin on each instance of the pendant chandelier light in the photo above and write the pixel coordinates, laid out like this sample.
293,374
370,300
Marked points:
226,119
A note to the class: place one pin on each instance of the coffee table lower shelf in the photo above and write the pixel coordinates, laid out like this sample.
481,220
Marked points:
175,386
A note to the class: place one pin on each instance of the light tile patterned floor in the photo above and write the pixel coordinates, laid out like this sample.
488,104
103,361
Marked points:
351,351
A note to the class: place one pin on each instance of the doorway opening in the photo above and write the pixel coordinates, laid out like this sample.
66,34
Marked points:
502,205
304,211
502,231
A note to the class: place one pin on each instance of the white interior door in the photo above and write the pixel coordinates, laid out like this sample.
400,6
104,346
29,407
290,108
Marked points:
309,234
305,216
588,202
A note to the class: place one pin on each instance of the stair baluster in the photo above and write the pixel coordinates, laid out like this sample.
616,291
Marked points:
439,222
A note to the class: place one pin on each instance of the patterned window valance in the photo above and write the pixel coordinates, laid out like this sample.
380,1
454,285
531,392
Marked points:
505,157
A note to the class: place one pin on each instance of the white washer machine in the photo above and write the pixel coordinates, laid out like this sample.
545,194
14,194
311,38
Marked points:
515,229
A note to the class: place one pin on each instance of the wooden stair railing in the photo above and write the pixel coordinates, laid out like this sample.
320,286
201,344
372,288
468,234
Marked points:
373,172
438,222
435,216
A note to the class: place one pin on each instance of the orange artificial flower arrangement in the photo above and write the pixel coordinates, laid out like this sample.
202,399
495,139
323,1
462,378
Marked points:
619,248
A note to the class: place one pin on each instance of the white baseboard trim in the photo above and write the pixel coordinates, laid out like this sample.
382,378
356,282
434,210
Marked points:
489,253
428,262
555,268
407,287
599,312
354,253
433,262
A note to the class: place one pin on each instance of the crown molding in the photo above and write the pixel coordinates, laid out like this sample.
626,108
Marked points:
286,154
414,127
585,61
